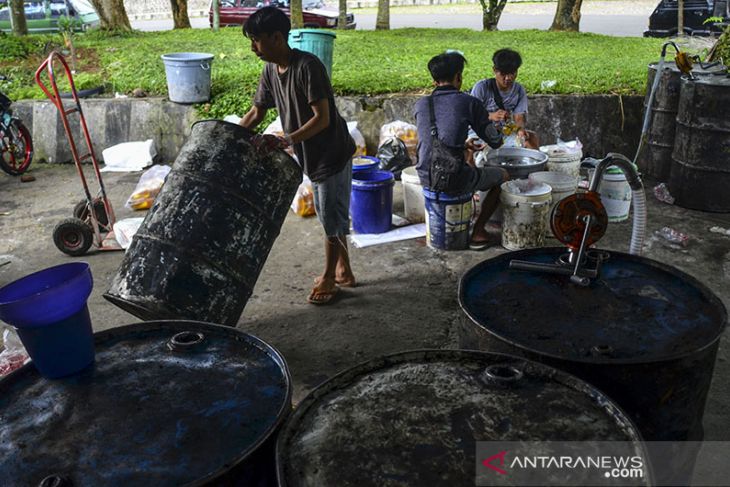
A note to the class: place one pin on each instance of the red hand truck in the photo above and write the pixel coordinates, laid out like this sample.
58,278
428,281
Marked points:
93,218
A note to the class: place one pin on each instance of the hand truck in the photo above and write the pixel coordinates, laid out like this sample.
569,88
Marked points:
93,218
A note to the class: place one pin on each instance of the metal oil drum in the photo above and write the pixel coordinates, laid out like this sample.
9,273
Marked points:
700,173
201,247
656,160
643,332
415,419
166,403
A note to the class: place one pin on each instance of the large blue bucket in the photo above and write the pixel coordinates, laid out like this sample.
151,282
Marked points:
371,201
447,220
319,42
365,163
188,76
48,308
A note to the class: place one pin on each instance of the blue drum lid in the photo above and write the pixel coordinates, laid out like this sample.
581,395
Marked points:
414,418
149,412
637,311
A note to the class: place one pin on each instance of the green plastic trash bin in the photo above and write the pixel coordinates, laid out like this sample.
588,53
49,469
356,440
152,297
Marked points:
317,41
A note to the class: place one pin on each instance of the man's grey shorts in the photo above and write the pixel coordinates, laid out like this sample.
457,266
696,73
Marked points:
332,201
483,179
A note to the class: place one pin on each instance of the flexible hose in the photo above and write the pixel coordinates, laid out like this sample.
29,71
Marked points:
638,231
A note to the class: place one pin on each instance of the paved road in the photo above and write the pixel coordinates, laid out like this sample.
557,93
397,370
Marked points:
616,25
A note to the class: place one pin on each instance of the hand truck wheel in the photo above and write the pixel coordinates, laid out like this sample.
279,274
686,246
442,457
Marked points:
81,211
73,236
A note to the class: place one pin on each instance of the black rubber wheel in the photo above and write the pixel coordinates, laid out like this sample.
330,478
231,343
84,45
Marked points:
17,149
73,236
81,212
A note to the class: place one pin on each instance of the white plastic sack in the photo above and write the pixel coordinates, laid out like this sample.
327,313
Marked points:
125,229
361,148
129,156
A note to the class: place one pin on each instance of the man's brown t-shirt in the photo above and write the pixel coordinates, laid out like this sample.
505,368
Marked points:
292,93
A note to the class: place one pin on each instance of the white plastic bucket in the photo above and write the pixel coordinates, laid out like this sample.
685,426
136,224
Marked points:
188,76
615,196
413,202
563,159
525,206
562,184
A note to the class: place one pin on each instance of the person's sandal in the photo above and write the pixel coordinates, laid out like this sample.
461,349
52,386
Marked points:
322,297
481,245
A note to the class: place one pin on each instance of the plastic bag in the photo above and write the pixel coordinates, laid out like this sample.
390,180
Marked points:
393,156
360,147
125,229
14,354
147,188
563,148
129,156
275,128
406,132
303,204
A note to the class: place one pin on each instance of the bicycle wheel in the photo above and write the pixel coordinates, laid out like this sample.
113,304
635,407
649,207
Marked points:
17,149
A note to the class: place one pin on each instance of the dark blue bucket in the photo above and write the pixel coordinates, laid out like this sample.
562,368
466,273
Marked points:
447,221
48,308
365,163
371,202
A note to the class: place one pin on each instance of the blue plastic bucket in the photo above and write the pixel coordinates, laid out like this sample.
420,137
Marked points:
447,220
365,163
188,76
317,41
48,308
371,201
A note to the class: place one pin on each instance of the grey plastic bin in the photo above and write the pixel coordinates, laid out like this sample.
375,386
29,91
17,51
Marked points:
188,76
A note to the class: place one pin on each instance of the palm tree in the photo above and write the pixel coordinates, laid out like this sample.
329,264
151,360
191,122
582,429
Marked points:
383,20
297,18
17,18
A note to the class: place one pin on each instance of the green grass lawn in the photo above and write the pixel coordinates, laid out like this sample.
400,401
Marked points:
365,62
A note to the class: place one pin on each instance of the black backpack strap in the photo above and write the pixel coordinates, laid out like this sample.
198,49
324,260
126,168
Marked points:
492,85
434,130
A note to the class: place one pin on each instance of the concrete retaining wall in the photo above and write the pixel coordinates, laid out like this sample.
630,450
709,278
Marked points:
602,123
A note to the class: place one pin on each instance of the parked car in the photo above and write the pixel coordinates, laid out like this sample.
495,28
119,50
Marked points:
316,14
42,15
663,21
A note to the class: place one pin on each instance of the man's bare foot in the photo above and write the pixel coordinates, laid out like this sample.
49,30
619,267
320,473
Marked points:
341,280
323,292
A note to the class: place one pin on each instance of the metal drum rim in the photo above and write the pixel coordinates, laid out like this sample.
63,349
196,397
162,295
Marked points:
704,290
107,335
350,375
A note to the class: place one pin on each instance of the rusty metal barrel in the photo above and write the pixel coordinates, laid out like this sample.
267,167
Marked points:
416,419
700,172
165,403
656,159
202,245
644,333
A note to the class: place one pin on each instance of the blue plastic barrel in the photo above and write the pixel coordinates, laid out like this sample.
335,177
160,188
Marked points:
371,201
48,308
447,220
188,76
317,41
365,163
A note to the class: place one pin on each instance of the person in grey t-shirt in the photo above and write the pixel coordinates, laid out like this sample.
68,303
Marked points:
296,84
504,98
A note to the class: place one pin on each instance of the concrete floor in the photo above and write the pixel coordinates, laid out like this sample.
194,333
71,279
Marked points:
406,300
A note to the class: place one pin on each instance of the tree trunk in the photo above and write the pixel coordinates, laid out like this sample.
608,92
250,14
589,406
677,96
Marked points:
342,19
383,20
297,19
216,15
17,18
680,17
491,12
567,15
112,15
180,14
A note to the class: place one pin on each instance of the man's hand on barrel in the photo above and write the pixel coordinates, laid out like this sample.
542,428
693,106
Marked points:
268,142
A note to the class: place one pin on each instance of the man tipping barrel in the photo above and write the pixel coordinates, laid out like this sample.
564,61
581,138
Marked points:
296,84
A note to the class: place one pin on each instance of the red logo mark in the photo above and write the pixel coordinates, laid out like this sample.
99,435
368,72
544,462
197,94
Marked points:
499,456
